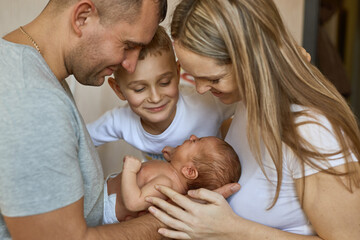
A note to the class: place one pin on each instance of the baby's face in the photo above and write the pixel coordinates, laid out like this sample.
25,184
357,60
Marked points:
152,90
190,148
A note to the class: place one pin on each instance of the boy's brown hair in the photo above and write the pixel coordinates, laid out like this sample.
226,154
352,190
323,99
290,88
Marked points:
160,43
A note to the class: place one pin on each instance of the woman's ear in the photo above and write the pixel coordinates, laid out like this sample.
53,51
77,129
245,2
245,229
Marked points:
82,11
189,171
116,88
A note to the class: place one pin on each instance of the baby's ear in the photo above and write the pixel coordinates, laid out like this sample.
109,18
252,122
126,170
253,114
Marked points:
115,86
189,171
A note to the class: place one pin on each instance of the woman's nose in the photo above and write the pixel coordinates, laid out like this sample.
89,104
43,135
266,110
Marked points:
201,86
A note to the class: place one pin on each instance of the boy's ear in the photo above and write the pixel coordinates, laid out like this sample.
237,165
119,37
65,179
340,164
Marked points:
189,171
82,11
113,84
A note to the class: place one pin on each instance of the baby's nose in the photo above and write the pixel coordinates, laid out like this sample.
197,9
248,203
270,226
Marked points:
193,137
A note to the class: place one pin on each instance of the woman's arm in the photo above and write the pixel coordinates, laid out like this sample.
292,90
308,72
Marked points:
331,208
214,220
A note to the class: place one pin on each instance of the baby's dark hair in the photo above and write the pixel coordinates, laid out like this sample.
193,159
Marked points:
217,165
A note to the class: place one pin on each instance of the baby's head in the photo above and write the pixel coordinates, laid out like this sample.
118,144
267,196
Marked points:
152,90
207,162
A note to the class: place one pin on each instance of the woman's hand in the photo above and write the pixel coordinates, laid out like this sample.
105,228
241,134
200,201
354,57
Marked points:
192,219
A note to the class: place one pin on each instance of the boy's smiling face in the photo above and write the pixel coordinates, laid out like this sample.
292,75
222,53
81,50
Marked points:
152,91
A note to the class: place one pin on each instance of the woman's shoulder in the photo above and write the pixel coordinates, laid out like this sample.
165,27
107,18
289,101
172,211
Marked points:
307,115
315,128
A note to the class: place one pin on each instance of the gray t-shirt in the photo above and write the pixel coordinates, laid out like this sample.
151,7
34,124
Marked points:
47,159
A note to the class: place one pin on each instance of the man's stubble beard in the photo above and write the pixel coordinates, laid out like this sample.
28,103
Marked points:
82,62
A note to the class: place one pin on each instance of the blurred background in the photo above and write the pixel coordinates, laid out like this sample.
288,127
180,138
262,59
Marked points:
327,29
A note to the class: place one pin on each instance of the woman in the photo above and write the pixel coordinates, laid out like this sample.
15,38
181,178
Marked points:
296,137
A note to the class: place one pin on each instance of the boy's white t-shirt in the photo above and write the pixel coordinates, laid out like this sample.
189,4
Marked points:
257,193
196,114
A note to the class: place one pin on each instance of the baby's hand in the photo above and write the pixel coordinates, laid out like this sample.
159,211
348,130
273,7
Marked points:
131,164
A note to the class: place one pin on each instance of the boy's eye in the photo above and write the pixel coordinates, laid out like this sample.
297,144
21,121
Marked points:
139,90
165,83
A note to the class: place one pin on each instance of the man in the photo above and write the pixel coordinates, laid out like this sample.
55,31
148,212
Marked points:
51,180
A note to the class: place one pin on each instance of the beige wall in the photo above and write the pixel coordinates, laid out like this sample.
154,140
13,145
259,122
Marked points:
292,12
93,101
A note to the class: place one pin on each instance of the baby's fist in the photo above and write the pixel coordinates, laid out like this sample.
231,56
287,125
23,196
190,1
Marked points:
131,164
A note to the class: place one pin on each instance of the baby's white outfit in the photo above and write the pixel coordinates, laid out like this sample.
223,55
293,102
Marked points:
109,204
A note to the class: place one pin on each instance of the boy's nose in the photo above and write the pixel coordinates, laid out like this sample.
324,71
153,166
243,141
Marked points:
154,96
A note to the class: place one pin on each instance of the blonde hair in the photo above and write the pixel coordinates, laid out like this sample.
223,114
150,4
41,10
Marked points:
217,165
271,74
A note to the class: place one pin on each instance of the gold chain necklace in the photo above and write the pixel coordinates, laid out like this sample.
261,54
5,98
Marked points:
31,39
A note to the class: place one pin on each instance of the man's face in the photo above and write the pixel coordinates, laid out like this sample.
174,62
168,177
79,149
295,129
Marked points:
152,90
104,47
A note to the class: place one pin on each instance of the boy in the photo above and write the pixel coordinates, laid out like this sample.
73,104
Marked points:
207,162
156,114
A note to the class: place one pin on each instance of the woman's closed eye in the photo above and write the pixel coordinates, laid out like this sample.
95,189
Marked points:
214,81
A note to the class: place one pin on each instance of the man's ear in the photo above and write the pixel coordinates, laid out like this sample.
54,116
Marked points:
189,171
82,10
115,86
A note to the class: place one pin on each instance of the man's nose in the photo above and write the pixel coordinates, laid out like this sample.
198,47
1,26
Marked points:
130,60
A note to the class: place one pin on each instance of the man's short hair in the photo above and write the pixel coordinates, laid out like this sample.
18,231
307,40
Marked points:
114,10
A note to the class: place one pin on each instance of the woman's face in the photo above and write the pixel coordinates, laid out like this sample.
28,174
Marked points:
208,75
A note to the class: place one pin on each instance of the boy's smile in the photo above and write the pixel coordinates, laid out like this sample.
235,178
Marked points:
152,91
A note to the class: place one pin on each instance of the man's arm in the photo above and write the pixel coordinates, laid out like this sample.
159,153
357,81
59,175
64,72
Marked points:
69,223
